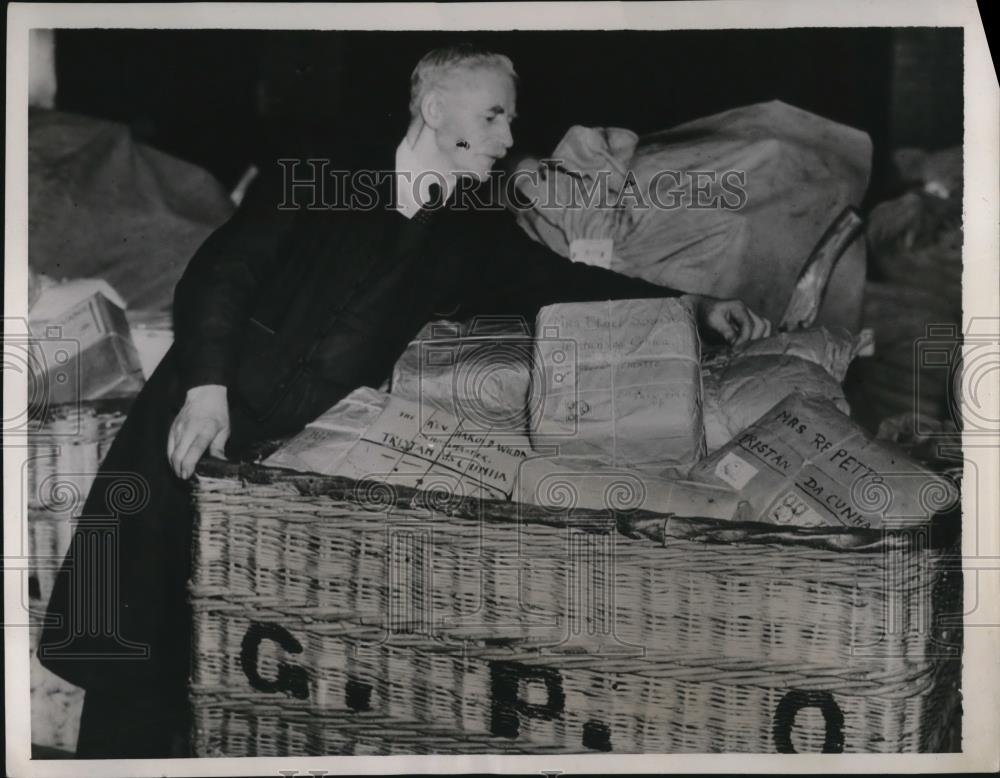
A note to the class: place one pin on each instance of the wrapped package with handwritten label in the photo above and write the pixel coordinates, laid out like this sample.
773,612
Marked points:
424,448
804,463
377,438
374,437
618,383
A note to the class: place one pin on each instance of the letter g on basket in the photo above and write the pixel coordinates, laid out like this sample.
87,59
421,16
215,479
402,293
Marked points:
291,679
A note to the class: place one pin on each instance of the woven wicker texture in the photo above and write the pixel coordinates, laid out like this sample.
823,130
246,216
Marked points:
643,705
320,596
65,450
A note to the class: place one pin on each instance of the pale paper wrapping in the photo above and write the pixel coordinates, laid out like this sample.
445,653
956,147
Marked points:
483,379
567,484
372,436
322,445
807,464
424,448
619,383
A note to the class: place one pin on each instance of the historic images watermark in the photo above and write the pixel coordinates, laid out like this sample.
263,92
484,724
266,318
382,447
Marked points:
314,184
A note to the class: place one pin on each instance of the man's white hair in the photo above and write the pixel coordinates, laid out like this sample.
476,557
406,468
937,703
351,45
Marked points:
436,66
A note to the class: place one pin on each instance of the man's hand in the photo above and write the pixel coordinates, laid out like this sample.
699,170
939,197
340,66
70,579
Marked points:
730,319
202,423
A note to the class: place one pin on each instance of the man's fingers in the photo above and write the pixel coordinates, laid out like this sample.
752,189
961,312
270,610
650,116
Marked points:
218,446
192,435
740,316
736,322
761,326
719,321
179,434
182,441
190,454
172,440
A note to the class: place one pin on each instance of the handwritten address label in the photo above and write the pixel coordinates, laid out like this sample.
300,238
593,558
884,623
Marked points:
422,447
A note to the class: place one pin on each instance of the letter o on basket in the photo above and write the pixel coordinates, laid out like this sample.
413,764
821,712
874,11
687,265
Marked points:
796,700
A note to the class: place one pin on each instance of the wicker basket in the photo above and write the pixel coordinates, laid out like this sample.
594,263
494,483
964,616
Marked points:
334,616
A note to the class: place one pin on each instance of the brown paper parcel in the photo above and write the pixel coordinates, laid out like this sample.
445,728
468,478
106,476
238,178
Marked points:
806,464
618,383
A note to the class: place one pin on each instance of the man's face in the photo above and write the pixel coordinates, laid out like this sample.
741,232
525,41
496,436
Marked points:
478,108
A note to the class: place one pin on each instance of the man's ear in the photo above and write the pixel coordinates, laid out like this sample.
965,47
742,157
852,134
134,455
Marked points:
432,108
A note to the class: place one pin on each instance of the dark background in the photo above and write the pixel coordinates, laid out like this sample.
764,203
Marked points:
225,98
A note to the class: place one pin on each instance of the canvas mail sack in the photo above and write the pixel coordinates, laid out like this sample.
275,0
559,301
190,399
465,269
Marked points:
804,463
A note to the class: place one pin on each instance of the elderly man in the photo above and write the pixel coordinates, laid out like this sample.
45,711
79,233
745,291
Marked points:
280,314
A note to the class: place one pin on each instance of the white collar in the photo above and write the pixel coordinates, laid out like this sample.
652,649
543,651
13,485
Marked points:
412,173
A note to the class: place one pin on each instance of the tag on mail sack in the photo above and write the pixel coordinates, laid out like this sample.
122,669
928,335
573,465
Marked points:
804,463
618,383
593,251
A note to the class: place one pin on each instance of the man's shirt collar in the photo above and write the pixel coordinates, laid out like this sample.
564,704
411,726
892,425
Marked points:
413,180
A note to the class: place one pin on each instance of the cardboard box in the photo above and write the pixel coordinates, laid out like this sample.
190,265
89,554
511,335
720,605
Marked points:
85,351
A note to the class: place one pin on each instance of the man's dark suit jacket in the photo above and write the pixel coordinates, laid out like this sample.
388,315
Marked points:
291,310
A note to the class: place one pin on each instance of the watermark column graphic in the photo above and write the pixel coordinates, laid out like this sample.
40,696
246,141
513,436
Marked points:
43,360
468,372
968,365
579,586
923,566
94,566
968,362
441,582
411,580
52,496
405,586
521,593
